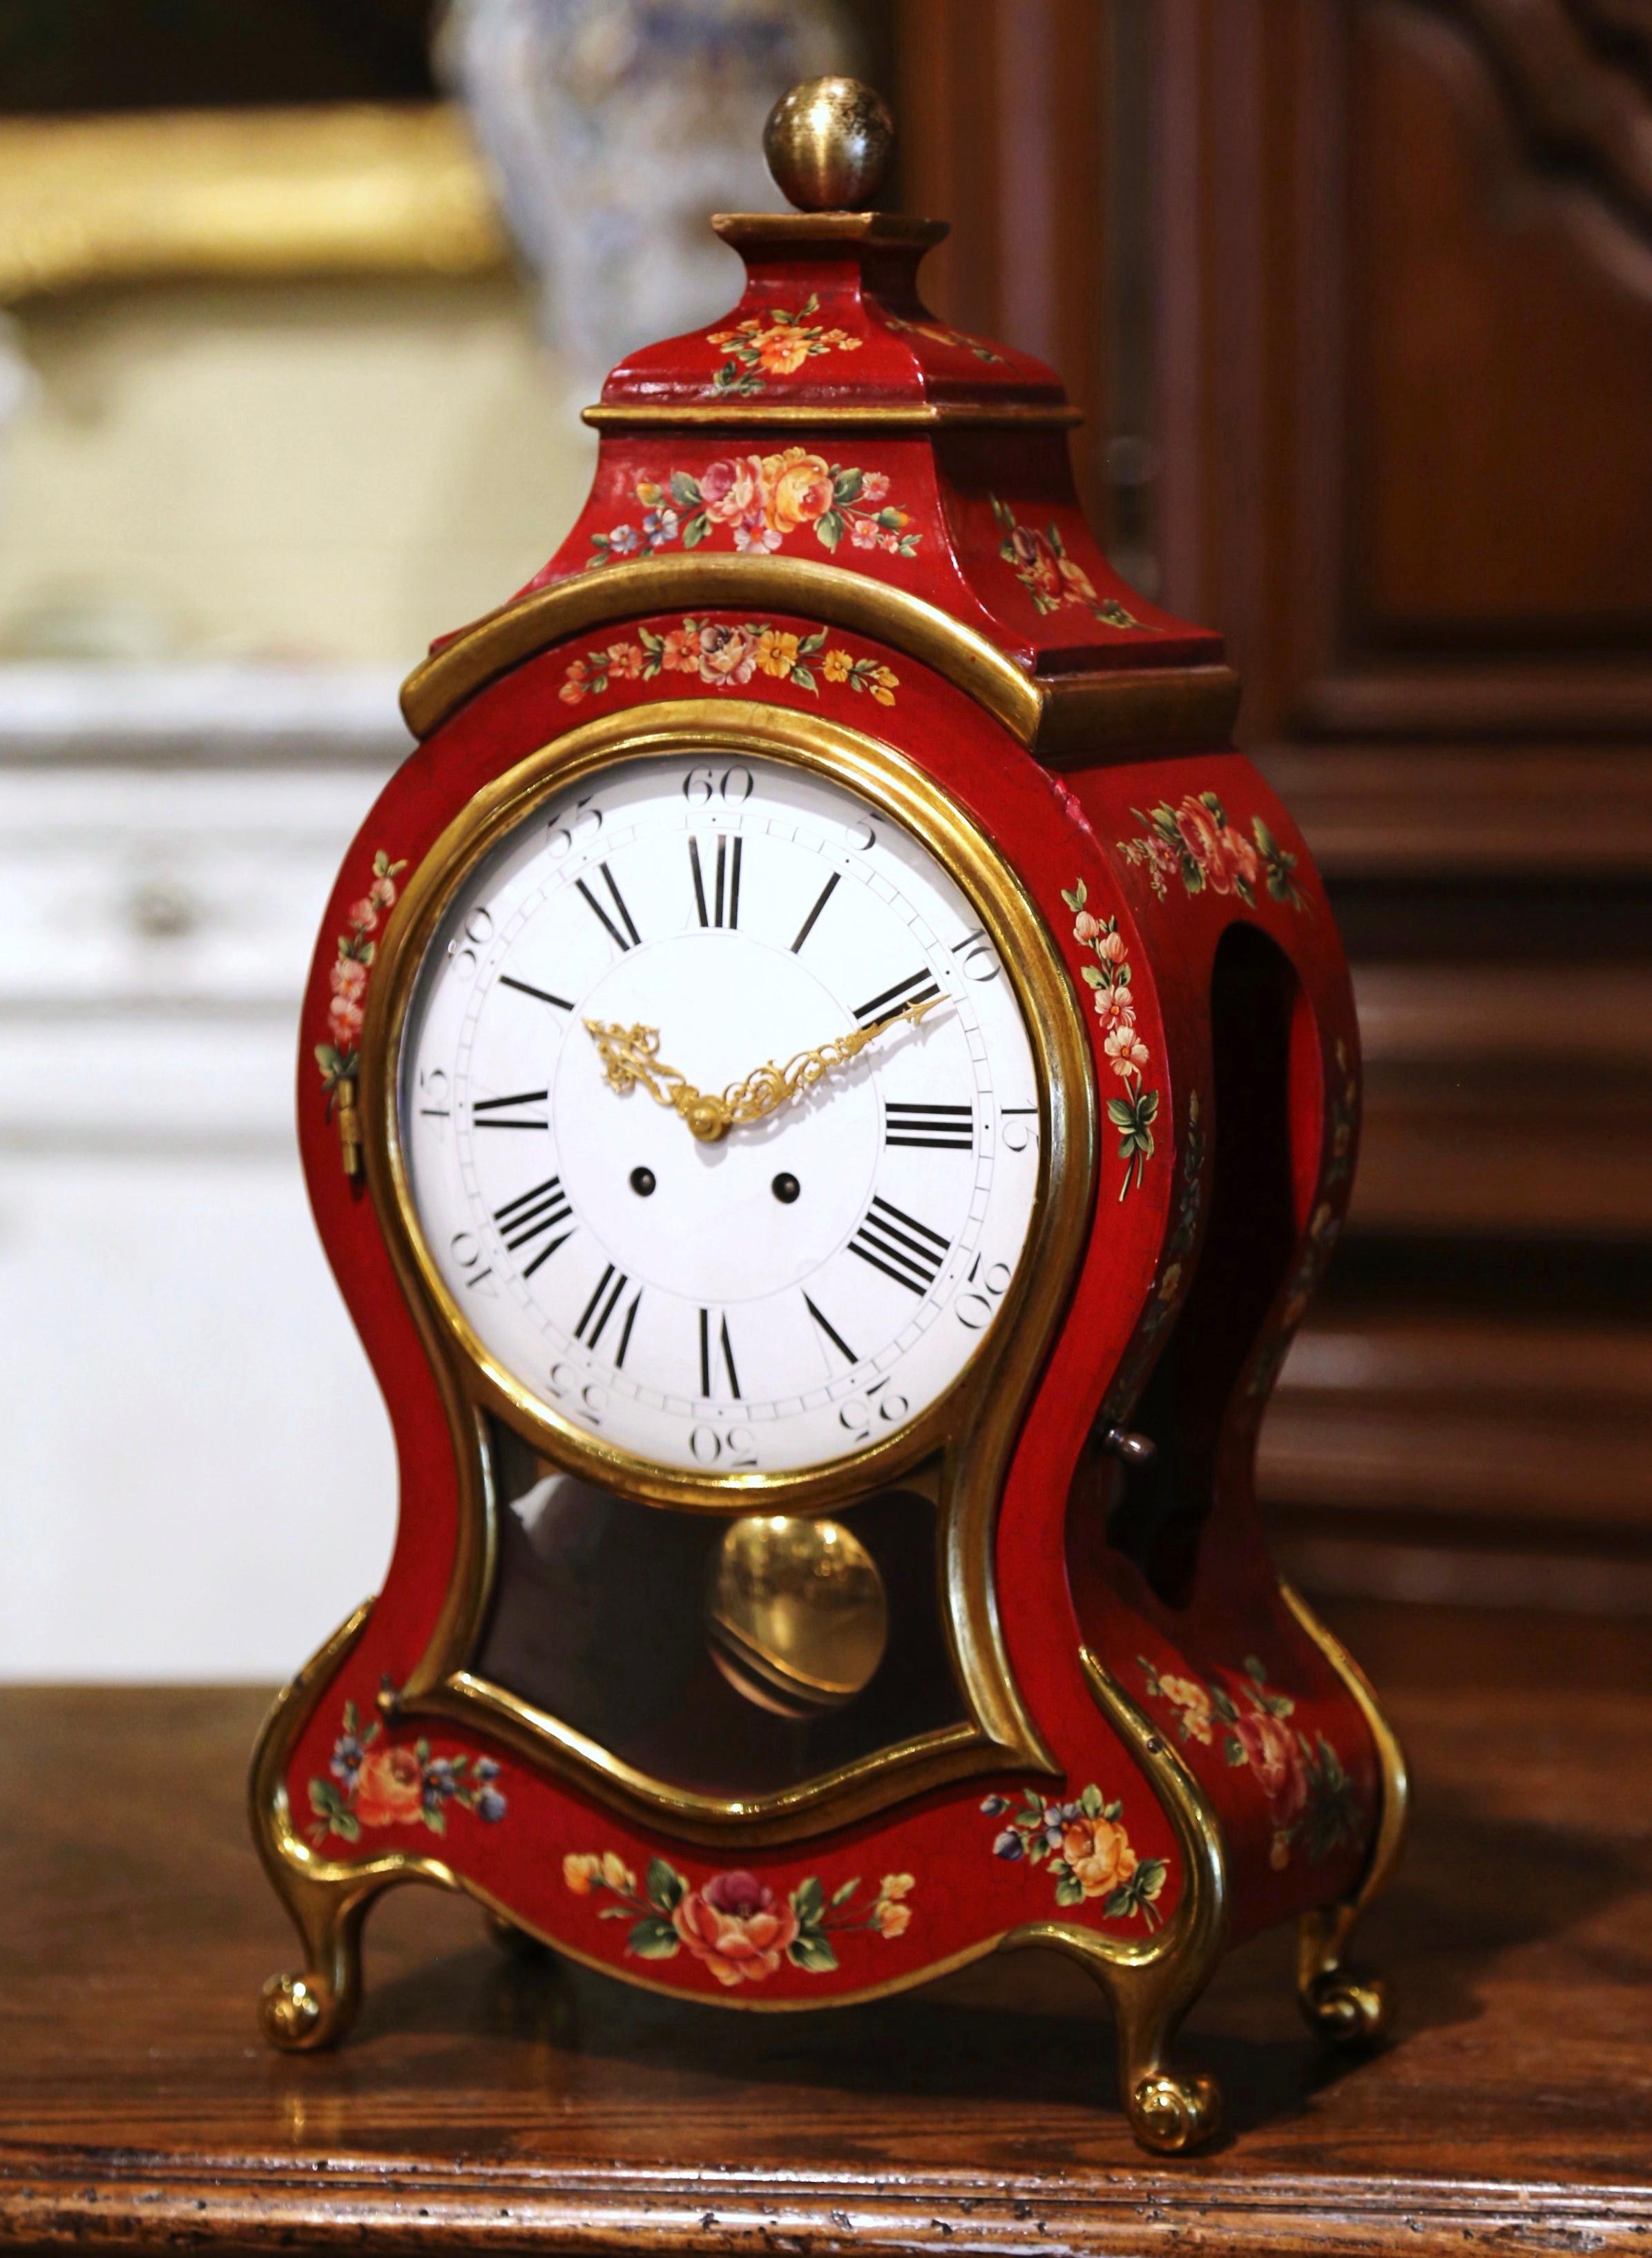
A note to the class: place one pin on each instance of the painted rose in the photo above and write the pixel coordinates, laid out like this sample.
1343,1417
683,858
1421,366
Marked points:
1036,561
781,352
737,1926
1099,1852
391,1788
796,490
1239,859
1192,1699
728,489
1274,1755
726,655
1075,582
890,1917
1199,836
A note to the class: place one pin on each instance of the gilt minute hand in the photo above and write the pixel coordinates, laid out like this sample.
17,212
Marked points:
630,1058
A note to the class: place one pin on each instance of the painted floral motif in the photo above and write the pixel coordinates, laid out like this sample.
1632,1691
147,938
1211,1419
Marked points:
778,346
348,978
1089,1853
727,657
370,1784
735,1923
1195,842
1107,977
1168,1287
1310,1799
1344,1112
761,500
1319,1242
1039,561
939,334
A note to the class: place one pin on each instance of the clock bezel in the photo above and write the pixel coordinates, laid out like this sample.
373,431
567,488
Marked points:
963,1440
903,793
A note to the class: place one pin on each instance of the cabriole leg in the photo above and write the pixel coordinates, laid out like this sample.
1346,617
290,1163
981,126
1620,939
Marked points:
1347,2008
314,2005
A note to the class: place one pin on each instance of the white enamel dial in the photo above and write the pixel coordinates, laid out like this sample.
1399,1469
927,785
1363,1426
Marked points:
807,1286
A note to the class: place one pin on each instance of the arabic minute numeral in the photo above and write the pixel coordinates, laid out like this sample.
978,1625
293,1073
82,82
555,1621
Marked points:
733,786
975,959
571,826
861,1413
1019,1126
733,1451
977,1305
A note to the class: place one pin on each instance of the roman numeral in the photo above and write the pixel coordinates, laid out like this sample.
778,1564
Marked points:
618,939
532,1215
543,995
830,1331
601,1306
708,1348
489,1112
807,926
896,999
938,1128
725,884
899,1246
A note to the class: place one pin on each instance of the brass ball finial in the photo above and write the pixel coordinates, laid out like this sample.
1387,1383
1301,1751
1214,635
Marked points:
828,143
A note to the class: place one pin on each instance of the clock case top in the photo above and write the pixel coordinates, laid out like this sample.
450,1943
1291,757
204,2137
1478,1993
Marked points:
830,508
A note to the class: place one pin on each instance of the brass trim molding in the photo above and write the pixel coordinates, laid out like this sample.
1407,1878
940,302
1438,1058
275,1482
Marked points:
244,194
516,631
972,1426
1066,722
896,415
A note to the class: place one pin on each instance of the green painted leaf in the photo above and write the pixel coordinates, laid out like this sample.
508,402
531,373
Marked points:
1090,1802
323,1799
808,1902
809,644
649,641
811,1950
1068,1890
803,677
847,485
664,1886
435,1820
695,529
349,1826
1150,1876
841,1895
653,1939
685,491
1092,975
828,528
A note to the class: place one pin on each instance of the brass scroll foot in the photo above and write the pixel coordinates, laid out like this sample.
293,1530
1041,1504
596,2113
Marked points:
1171,2115
311,2008
1339,2005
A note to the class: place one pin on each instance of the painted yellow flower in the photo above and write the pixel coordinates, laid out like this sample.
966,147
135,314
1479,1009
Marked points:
580,1870
777,652
836,665
897,1885
890,1918
616,1873
884,684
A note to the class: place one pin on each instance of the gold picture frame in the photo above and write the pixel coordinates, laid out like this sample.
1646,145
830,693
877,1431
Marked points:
332,189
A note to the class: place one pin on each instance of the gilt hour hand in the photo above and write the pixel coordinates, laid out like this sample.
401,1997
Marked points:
630,1058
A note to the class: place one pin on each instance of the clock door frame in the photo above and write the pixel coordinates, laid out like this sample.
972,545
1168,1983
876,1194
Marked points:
968,1434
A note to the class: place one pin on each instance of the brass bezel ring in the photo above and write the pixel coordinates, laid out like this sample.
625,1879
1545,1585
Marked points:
900,791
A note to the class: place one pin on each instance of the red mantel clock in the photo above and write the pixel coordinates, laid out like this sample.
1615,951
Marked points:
826,1087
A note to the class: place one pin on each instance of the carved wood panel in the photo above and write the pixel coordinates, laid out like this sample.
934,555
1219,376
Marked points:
1400,331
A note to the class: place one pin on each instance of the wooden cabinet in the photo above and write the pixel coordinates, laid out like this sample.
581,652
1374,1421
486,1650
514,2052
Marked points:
1368,367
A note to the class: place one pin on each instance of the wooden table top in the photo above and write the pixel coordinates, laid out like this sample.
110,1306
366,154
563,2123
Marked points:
489,2103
